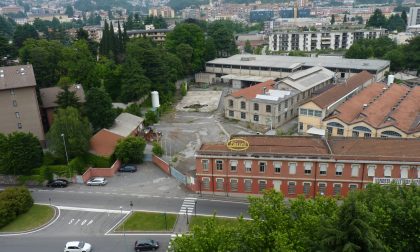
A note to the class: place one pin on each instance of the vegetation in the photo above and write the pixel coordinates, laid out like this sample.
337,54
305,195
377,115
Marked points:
20,153
394,22
130,150
150,118
184,89
14,202
157,149
144,221
375,219
36,216
203,220
98,108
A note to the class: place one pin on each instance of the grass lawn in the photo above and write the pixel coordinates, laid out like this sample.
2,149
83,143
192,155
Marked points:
37,216
143,221
200,220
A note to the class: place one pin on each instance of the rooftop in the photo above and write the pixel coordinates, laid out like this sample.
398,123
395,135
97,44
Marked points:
306,79
291,62
252,91
125,124
17,77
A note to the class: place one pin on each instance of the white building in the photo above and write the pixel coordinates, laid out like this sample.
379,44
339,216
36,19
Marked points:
413,16
319,40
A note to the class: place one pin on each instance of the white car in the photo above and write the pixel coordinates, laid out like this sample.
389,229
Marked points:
97,181
77,246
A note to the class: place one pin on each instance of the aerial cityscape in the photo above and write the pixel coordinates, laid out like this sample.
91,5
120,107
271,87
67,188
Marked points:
209,125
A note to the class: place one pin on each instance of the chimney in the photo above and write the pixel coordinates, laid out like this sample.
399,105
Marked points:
264,90
365,106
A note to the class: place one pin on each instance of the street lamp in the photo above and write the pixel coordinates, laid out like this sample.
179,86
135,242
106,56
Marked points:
131,205
195,208
186,213
65,150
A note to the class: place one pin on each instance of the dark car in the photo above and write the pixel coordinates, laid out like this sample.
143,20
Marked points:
128,168
144,245
58,183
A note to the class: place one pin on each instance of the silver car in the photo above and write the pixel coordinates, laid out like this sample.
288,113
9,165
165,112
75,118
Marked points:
78,246
98,181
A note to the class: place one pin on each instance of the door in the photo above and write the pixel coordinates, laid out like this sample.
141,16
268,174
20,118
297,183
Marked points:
277,184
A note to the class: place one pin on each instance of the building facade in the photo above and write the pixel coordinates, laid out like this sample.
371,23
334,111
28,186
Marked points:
304,165
19,109
413,16
319,40
273,104
157,35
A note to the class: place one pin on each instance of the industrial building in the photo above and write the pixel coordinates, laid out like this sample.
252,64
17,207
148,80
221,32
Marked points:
309,166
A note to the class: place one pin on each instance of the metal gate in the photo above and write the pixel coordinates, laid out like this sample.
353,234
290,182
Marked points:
178,176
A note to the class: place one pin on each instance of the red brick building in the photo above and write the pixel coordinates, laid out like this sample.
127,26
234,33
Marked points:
298,165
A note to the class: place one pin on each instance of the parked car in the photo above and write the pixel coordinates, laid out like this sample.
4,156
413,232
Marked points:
58,183
97,181
77,246
144,245
128,168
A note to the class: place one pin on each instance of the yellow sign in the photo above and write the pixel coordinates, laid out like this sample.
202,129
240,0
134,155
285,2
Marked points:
237,144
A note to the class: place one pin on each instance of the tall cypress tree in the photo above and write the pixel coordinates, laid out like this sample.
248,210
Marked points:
120,39
111,39
104,44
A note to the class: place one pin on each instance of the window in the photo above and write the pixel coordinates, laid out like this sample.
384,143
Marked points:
306,188
234,185
243,105
19,125
366,135
262,166
256,107
329,131
262,185
247,185
291,187
286,104
355,134
418,172
206,183
339,169
308,168
277,167
268,108
303,111
248,165
17,114
231,114
337,189
340,131
14,103
323,169
404,171
318,113
371,170
205,164
256,118
352,187
300,126
310,112
233,165
390,133
12,92
355,170
219,184
321,188
230,103
219,165
387,170
292,168
243,115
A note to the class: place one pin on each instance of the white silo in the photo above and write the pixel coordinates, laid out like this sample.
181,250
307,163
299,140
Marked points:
390,79
155,99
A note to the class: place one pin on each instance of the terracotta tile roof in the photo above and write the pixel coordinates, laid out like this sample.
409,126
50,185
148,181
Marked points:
104,142
290,145
338,91
49,95
17,77
252,91
397,106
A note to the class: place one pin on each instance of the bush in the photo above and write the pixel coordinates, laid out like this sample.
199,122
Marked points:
13,202
184,89
130,150
46,173
157,149
96,161
150,118
134,109
30,179
77,165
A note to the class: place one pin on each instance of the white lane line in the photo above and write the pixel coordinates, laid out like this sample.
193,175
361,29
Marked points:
97,210
90,222
83,222
77,222
118,223
71,221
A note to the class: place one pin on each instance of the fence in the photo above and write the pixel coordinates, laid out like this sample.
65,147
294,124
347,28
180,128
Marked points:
99,172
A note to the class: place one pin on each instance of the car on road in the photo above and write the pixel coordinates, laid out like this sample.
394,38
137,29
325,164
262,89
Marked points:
144,245
58,183
99,181
128,168
77,246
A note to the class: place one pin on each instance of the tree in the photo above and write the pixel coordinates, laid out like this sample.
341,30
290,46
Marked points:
395,22
69,11
223,38
150,118
75,129
6,50
404,16
377,19
332,19
98,108
157,149
130,150
345,18
20,153
134,84
22,33
67,98
248,47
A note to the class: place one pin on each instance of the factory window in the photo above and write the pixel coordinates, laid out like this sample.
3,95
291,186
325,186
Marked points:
277,167
231,113
219,165
352,187
205,164
355,170
390,133
292,168
256,106
318,113
322,188
323,169
230,103
371,170
17,114
291,187
206,183
19,125
243,105
340,131
268,108
14,103
306,188
286,103
248,166
262,185
387,170
256,118
234,185
337,189
300,126
339,169
308,168
263,165
233,165
243,115
404,171
303,111
310,112
219,184
247,185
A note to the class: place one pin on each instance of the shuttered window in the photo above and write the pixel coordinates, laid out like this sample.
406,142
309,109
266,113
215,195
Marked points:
355,170
292,168
262,185
248,185
337,189
306,188
291,187
234,185
387,170
371,170
321,188
219,184
248,165
206,183
323,169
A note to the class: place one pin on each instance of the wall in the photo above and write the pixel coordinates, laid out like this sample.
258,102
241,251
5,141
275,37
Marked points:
164,166
101,172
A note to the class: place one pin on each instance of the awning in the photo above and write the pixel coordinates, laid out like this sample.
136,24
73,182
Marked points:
316,131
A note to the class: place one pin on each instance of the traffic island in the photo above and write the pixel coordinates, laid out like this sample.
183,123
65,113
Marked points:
37,217
148,222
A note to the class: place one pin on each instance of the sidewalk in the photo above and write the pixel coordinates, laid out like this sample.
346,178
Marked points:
181,226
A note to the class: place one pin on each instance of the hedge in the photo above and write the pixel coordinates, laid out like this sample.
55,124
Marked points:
14,201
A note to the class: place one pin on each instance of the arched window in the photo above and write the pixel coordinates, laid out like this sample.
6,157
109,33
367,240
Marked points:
331,125
390,133
335,124
361,128
361,131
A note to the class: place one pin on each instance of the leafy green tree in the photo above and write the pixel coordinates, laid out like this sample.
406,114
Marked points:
345,18
67,98
412,51
395,22
22,33
157,149
404,16
377,19
185,54
223,38
130,150
332,21
7,27
69,11
248,47
75,129
98,108
6,50
150,118
397,58
20,153
134,84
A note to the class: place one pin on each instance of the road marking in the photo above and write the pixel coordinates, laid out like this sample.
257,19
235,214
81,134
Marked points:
90,222
97,210
77,221
188,206
71,221
83,222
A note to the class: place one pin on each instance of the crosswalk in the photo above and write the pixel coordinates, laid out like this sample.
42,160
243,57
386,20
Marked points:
188,206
